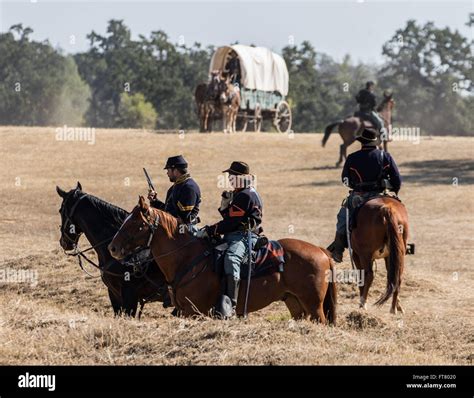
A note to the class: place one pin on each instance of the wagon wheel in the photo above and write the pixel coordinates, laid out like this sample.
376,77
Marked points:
242,122
282,119
257,119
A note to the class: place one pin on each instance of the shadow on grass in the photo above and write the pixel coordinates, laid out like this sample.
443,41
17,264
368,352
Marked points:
417,172
438,171
316,168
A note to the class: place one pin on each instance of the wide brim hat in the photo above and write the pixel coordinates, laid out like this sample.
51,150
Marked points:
238,168
369,134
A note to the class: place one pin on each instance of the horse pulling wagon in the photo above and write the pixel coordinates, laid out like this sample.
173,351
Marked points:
262,83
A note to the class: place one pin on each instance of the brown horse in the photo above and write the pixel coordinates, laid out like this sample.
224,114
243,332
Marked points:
230,102
207,98
351,127
304,284
98,220
381,232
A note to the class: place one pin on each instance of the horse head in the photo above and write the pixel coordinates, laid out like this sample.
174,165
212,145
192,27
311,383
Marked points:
226,90
213,87
387,102
70,232
136,231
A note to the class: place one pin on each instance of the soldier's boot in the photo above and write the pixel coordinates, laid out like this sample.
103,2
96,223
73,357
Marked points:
232,291
337,247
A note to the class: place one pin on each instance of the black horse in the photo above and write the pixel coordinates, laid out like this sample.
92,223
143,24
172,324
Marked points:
99,221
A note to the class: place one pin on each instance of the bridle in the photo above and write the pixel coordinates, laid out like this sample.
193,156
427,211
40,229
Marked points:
75,251
153,226
68,217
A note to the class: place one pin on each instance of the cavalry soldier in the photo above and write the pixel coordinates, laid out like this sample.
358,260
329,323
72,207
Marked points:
367,103
232,68
368,172
183,197
241,209
182,200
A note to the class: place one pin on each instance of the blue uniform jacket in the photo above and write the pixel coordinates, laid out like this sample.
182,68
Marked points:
182,200
246,204
366,166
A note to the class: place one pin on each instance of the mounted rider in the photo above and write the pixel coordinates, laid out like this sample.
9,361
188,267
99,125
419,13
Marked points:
182,200
241,209
183,197
368,172
367,103
232,68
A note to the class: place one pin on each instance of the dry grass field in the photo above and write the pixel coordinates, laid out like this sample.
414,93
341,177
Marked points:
66,318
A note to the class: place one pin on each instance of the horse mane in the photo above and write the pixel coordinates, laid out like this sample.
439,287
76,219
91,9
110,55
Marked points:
383,104
114,214
169,224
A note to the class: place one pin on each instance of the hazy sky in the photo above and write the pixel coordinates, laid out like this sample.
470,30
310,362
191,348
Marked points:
358,28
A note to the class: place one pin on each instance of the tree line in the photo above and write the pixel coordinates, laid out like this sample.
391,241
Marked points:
149,82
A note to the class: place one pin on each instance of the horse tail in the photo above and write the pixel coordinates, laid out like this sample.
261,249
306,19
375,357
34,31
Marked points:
330,300
397,252
328,131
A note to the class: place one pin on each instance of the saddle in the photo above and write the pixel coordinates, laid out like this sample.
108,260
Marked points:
267,258
361,201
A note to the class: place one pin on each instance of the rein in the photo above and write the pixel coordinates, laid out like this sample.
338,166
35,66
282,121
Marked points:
80,254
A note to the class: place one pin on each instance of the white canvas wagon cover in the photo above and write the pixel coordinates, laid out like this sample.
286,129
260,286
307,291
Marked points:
261,68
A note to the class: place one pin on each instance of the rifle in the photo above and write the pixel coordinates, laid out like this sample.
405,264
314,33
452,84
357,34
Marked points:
249,274
150,183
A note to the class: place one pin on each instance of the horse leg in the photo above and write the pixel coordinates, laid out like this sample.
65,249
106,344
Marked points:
312,302
204,119
201,118
364,265
130,299
224,120
341,152
294,306
368,279
396,305
234,121
344,150
116,304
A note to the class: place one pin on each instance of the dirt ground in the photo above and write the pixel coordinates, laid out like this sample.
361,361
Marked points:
65,317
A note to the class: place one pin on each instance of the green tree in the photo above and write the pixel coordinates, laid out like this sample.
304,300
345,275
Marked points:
431,71
320,89
136,112
164,73
36,82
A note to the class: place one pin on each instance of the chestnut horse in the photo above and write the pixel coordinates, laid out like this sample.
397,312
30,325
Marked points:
351,127
381,232
304,285
230,102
